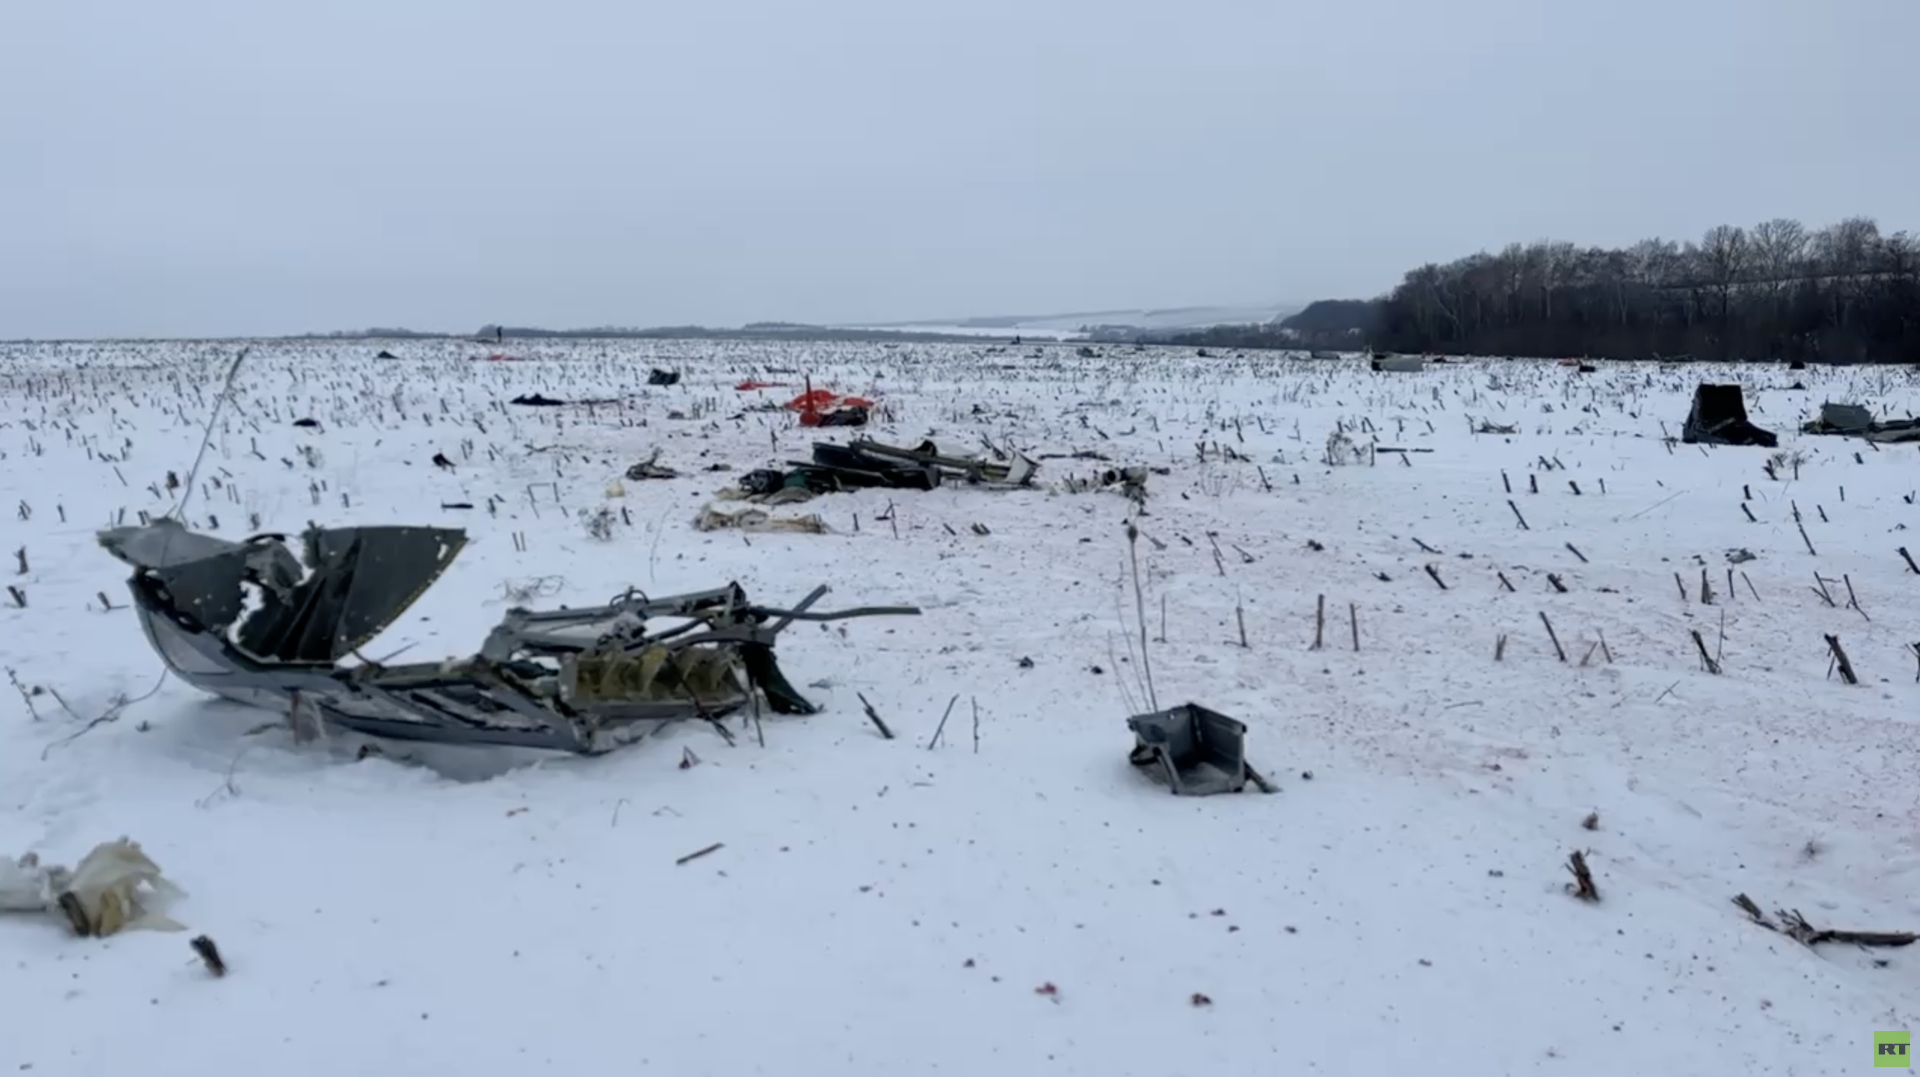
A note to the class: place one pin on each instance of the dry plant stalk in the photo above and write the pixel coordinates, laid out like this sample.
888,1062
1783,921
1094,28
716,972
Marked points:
1706,657
1140,612
1554,636
1841,662
1582,886
698,853
874,717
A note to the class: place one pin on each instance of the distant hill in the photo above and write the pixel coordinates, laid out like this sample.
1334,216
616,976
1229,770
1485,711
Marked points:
1103,323
1107,325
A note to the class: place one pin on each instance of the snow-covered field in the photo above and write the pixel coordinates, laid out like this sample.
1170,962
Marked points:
1024,902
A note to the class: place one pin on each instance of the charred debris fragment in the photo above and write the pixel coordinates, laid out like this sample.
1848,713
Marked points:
578,680
862,464
1719,417
1390,363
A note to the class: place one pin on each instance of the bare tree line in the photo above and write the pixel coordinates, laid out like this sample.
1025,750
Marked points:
1846,293
1843,294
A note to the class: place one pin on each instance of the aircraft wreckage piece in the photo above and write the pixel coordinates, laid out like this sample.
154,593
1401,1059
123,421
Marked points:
1016,472
577,680
1719,417
1196,751
862,464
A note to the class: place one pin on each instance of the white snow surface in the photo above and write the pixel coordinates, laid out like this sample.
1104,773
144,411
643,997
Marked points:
883,907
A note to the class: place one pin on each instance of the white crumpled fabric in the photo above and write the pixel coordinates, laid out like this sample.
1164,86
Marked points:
117,886
24,886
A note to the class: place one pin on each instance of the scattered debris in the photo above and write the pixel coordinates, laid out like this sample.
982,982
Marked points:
758,521
862,465
769,487
541,400
651,468
837,417
1130,482
581,680
1795,926
823,407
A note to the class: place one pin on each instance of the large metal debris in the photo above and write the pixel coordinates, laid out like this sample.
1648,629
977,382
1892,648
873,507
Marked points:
1719,417
1396,364
579,680
1017,471
1197,751
862,464
1854,420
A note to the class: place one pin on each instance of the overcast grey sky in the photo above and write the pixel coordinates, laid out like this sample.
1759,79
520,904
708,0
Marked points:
245,166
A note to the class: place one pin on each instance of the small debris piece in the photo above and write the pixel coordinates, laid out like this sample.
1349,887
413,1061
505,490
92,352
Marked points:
651,468
209,954
1582,886
1753,911
76,914
698,853
1201,1000
1195,750
1795,926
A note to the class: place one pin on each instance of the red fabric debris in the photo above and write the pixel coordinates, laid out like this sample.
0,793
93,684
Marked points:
822,399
